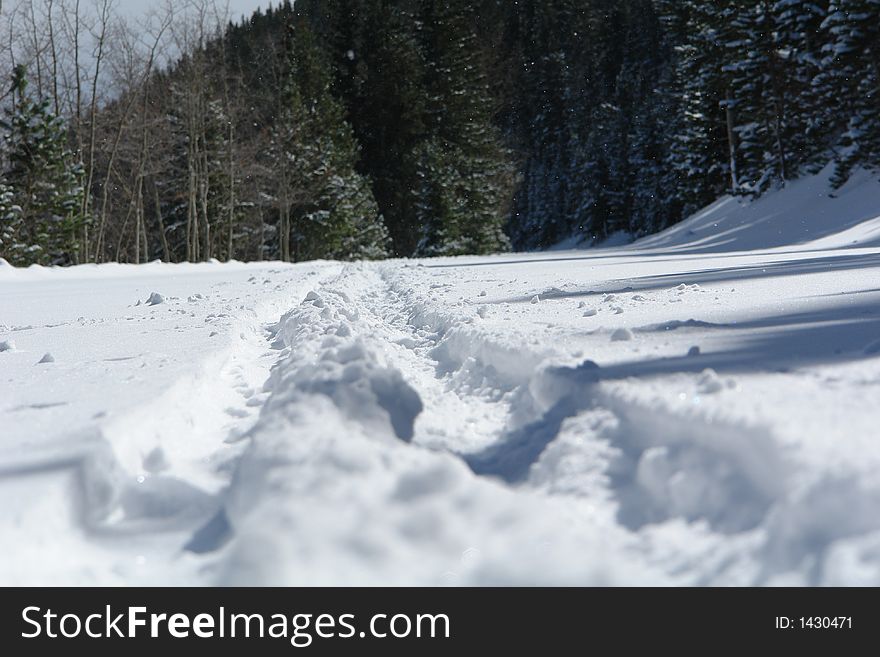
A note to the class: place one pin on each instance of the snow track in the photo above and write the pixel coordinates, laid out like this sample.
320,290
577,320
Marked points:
344,483
390,399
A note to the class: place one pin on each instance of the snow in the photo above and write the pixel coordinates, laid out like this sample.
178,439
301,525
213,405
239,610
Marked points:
697,408
806,214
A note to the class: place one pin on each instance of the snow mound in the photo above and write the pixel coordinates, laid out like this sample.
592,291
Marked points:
807,212
622,335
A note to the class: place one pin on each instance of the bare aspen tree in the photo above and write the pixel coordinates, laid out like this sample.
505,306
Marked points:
53,54
100,35
134,69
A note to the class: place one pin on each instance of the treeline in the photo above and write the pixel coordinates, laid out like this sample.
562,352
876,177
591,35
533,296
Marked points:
369,128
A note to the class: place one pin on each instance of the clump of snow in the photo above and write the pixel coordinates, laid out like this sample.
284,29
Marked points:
622,335
591,312
694,351
7,345
535,299
155,299
709,382
47,358
315,299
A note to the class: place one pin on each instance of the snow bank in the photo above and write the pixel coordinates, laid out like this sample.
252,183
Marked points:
807,213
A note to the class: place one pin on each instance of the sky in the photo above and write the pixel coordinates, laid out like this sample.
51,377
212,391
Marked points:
237,8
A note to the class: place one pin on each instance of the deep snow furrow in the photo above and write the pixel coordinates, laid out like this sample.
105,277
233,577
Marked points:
332,490
567,432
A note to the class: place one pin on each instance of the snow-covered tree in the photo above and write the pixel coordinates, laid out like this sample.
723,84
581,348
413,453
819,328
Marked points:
43,183
850,82
325,208
463,170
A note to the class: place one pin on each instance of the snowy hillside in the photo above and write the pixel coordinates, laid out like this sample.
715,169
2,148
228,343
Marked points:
691,409
807,213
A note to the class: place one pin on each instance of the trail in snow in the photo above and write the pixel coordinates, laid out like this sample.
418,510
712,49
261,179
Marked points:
668,413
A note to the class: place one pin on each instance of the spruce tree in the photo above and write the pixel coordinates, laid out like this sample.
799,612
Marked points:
44,189
850,84
698,99
463,169
381,81
326,209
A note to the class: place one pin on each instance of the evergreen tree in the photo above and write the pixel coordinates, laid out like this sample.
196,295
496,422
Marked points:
850,83
699,103
799,38
380,77
326,209
10,227
463,169
44,190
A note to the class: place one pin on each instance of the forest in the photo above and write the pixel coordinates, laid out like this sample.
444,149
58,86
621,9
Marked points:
366,129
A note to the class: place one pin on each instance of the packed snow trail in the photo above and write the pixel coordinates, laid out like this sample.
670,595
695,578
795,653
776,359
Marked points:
655,414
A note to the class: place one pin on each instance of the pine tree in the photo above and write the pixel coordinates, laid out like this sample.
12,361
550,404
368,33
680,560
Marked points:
697,94
463,169
45,183
10,226
380,75
799,39
326,209
850,83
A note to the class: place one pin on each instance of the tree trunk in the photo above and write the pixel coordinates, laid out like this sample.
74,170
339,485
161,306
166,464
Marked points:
731,141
